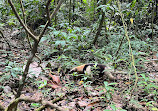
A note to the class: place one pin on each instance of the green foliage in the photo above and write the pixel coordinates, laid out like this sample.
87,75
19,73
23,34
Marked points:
35,105
13,70
147,86
114,108
32,7
42,84
109,90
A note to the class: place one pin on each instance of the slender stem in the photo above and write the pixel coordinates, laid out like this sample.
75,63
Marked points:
20,20
129,44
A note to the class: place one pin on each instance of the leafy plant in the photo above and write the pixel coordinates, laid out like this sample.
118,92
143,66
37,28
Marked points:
42,84
35,105
147,85
109,89
14,69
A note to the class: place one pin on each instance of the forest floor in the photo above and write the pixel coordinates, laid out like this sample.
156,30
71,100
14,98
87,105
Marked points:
75,95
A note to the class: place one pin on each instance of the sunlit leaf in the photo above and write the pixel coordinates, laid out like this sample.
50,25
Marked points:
131,19
85,1
133,3
35,104
155,109
81,82
43,84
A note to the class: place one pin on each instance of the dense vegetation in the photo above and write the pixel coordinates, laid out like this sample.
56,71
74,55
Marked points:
41,40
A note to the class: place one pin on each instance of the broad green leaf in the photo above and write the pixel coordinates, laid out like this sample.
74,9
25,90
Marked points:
13,74
113,107
43,39
35,104
112,84
43,84
60,42
85,1
56,33
128,5
133,3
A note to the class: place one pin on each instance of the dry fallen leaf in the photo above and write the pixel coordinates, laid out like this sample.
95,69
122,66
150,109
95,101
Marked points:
82,103
34,69
128,83
55,79
53,85
93,103
72,104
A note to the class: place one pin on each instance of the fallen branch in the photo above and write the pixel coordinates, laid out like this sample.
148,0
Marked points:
53,101
32,100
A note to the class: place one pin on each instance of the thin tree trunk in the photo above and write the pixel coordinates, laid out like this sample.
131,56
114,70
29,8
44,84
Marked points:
99,29
73,6
70,3
100,26
55,18
152,24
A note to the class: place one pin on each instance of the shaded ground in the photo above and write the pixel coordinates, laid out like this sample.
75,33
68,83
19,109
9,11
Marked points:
74,95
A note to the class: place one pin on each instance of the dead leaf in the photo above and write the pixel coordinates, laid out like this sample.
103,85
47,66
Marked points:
34,69
72,104
7,89
55,78
15,33
128,83
53,86
93,103
82,103
88,108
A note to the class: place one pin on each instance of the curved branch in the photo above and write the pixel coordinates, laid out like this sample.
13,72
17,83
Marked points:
22,23
23,11
53,101
32,100
22,83
51,16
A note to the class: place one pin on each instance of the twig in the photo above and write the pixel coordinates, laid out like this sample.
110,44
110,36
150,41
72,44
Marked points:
99,28
22,83
23,11
24,19
116,54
